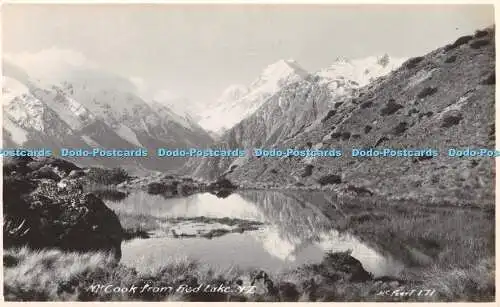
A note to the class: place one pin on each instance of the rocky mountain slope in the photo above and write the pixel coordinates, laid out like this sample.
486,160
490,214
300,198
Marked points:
441,100
296,107
90,108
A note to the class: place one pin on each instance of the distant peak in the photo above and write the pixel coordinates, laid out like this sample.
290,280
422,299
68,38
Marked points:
283,65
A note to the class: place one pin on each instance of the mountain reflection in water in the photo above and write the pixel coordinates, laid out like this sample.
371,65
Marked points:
295,232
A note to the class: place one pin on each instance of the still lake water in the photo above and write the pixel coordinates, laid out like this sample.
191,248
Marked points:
294,232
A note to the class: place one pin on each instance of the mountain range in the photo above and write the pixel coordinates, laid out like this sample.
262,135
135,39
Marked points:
239,101
289,103
444,99
87,107
65,101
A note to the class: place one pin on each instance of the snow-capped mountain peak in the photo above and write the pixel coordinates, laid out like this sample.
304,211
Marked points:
232,93
237,102
279,74
86,105
361,70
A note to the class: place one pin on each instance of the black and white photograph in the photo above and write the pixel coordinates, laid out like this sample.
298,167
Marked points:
248,152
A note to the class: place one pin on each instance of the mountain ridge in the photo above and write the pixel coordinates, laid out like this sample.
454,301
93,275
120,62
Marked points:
440,100
294,107
87,110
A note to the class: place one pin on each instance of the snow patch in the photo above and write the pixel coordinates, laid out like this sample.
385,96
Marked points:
12,88
127,134
18,134
362,71
75,115
27,112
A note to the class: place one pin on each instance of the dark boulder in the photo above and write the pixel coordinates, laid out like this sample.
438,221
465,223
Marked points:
40,214
288,292
342,266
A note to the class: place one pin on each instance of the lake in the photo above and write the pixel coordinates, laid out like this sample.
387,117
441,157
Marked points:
291,231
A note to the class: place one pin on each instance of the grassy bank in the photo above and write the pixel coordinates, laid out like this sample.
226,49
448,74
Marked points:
53,276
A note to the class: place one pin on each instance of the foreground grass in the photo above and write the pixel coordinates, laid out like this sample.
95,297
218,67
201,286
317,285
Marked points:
52,275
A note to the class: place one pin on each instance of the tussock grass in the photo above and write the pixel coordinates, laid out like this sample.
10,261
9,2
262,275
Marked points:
52,275
42,275
476,283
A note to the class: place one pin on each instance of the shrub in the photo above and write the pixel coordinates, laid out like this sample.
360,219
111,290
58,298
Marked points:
480,33
426,114
451,120
427,92
345,136
479,43
413,62
329,115
308,170
451,59
400,128
330,179
107,176
390,108
491,134
461,41
490,80
335,135
381,140
368,128
412,111
366,104
421,158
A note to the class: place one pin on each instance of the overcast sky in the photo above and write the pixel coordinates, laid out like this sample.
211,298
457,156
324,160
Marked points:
198,51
